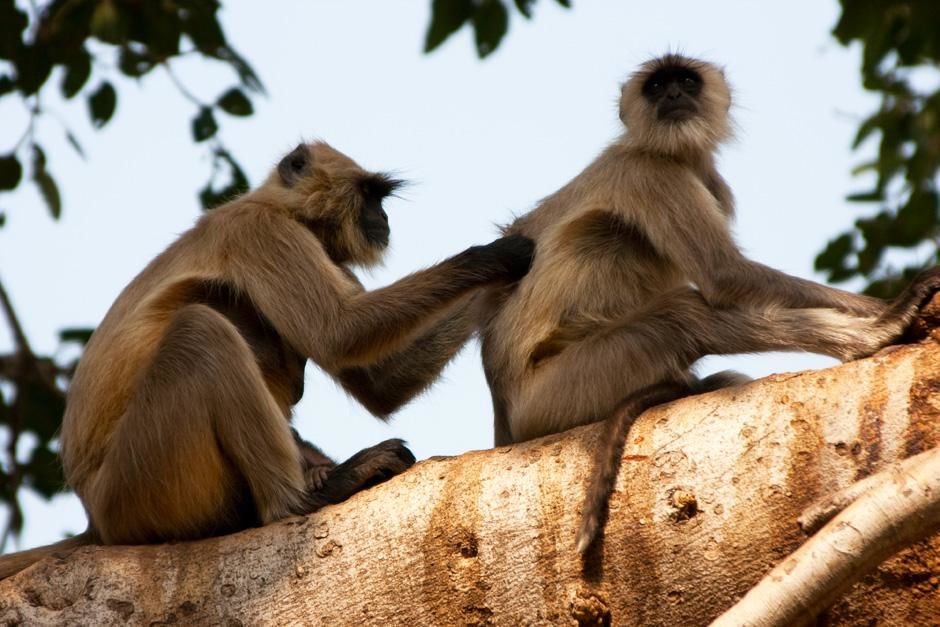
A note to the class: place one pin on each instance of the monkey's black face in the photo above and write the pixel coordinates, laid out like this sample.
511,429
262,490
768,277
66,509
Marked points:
674,91
372,217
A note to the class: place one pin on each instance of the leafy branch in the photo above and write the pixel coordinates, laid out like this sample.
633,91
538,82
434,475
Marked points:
96,45
900,54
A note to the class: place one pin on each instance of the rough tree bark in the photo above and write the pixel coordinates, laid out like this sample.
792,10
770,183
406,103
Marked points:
706,505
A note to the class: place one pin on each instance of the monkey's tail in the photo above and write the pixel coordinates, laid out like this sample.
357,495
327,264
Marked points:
15,562
608,455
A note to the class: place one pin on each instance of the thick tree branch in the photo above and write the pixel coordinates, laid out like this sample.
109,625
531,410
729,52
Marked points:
898,508
488,537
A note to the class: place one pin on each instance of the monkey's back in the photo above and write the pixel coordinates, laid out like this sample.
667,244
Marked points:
591,265
123,346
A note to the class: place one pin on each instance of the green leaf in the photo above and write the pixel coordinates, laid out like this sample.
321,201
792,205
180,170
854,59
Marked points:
872,196
447,16
565,3
916,220
50,194
32,68
47,185
833,259
101,104
75,334
200,23
73,142
3,218
43,472
246,75
13,22
107,23
490,23
42,407
209,197
77,71
133,63
6,85
868,166
10,172
234,102
525,7
157,25
204,125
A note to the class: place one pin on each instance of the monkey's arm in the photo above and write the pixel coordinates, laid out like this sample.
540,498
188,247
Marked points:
689,228
324,315
389,384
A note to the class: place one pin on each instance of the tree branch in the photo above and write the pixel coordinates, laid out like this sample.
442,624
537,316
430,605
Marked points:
899,508
488,537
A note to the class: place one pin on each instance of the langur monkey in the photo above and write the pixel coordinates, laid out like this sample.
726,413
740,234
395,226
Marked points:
177,425
638,276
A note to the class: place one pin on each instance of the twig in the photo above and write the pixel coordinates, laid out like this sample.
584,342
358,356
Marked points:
824,510
181,87
895,511
19,337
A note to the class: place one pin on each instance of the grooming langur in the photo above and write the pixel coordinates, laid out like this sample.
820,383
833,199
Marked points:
177,424
609,306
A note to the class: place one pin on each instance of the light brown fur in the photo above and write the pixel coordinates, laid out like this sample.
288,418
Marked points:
638,276
177,422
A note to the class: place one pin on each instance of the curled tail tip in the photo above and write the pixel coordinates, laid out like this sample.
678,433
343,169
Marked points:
586,535
582,545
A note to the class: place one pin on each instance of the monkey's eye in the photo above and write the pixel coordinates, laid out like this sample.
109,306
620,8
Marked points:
656,85
688,81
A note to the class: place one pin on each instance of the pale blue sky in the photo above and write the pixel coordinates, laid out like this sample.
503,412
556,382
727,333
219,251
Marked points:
479,141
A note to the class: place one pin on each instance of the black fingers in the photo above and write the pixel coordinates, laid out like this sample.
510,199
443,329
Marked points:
378,463
513,254
365,469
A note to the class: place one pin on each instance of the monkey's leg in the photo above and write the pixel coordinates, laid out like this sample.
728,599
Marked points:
584,382
202,448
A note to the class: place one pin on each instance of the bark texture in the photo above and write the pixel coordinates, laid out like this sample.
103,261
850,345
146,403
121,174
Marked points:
707,502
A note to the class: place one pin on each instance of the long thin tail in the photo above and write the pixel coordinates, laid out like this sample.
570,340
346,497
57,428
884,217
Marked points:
15,562
607,456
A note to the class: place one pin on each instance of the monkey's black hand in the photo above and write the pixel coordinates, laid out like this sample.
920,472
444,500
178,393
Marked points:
513,254
381,462
365,469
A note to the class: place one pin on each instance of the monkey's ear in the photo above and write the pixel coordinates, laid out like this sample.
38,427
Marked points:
294,165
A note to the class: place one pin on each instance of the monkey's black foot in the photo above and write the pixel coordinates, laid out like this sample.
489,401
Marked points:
926,284
365,469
